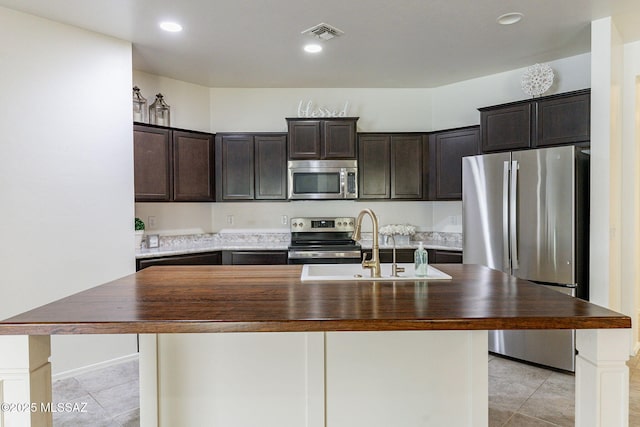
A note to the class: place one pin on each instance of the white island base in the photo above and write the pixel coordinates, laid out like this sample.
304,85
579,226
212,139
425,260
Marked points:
412,378
337,379
353,379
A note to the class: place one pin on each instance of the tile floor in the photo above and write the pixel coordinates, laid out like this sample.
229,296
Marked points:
519,395
112,397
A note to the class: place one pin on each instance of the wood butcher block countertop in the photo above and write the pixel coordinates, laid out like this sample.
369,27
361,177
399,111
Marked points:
187,299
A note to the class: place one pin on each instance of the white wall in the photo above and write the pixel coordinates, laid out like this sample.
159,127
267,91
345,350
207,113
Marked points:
630,189
238,109
606,120
457,104
195,218
66,171
189,103
265,110
269,215
177,218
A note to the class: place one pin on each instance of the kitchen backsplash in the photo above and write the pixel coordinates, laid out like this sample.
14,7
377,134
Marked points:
276,236
438,236
224,236
198,218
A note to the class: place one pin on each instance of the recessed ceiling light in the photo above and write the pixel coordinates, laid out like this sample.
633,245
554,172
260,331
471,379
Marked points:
509,18
312,48
172,27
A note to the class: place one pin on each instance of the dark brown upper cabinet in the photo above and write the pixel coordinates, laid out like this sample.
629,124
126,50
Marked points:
563,120
234,167
551,120
407,162
316,139
172,165
271,167
390,166
251,167
192,167
152,163
374,166
447,148
506,128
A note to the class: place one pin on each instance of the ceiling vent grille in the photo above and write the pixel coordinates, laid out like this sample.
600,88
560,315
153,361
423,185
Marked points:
323,31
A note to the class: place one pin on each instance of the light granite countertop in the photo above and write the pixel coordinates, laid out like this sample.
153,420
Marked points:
413,244
261,240
225,240
210,247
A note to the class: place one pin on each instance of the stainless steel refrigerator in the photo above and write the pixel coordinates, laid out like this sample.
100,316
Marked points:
527,213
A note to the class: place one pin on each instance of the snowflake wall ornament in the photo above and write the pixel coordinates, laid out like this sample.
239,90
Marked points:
537,79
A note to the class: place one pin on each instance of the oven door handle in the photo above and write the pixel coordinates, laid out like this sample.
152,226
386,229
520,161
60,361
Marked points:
324,254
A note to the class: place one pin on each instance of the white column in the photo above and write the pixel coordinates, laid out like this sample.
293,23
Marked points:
25,381
148,369
602,377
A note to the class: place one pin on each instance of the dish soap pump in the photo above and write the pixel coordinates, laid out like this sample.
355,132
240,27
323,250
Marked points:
421,259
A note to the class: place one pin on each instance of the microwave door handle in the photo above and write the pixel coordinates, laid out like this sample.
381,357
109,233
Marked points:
343,189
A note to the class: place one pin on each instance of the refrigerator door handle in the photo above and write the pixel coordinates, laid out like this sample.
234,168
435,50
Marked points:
513,214
505,219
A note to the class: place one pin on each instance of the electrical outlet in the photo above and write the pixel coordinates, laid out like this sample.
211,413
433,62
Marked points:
230,219
284,219
151,222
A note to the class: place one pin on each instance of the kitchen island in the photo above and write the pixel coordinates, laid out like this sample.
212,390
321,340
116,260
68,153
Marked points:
255,344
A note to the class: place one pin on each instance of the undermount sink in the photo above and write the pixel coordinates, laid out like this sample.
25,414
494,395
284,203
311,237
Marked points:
334,272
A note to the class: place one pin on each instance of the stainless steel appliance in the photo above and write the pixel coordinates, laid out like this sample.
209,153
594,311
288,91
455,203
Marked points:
323,241
526,213
323,179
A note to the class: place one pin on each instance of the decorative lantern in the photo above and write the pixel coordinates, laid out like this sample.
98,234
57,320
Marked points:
159,112
139,105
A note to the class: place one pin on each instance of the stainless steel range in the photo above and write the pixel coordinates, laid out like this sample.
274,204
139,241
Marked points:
323,241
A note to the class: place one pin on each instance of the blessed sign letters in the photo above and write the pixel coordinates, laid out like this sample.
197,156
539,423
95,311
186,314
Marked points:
308,109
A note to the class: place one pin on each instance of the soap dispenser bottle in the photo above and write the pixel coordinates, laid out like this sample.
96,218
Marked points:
421,259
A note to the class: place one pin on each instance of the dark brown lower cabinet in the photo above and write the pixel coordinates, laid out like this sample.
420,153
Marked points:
254,257
436,256
386,255
439,256
205,258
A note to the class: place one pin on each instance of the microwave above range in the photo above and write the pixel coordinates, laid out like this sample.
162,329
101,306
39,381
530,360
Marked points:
323,179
